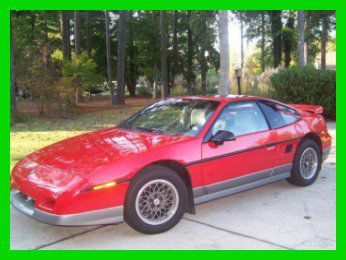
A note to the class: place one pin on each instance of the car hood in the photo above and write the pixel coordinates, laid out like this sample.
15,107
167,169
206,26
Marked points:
96,149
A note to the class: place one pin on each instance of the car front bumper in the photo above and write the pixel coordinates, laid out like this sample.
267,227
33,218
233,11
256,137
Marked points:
96,217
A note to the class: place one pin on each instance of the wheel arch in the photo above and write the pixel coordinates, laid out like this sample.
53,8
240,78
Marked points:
181,170
314,137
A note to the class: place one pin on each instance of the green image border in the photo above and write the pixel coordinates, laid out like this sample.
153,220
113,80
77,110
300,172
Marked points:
7,5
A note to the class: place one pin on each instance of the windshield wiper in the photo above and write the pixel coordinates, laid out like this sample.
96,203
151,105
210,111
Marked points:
150,130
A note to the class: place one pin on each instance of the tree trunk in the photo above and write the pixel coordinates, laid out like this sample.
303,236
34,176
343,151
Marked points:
120,96
288,38
301,32
189,53
276,31
175,48
131,86
307,54
307,38
324,38
154,54
77,42
88,35
77,35
131,65
262,41
155,82
109,60
241,42
224,53
164,74
13,84
65,34
203,63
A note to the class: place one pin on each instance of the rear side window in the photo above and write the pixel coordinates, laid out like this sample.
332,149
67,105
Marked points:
278,115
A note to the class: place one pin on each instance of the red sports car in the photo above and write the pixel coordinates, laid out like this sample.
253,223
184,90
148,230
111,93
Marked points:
168,157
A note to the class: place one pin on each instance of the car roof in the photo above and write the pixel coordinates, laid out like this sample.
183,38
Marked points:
223,99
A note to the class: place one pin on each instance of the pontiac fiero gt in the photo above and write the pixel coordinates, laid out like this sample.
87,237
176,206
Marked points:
162,161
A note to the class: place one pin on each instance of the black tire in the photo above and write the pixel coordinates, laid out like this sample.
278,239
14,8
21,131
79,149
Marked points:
132,217
297,177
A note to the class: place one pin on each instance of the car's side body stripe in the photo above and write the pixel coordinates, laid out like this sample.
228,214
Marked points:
249,181
240,151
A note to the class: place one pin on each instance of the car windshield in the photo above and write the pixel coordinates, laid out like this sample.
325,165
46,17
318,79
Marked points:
172,117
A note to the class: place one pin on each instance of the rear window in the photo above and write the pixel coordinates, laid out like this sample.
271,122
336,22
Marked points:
278,115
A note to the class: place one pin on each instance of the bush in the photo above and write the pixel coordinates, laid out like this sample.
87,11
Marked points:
42,83
81,74
306,85
143,91
17,117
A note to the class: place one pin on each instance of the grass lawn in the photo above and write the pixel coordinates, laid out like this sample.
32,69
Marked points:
40,132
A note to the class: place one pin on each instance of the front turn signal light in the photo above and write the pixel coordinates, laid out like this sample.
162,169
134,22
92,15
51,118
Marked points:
105,185
101,186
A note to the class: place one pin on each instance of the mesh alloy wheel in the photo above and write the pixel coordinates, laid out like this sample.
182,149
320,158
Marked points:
157,201
308,163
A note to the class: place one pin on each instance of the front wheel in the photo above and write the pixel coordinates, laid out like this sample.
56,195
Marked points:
306,164
156,200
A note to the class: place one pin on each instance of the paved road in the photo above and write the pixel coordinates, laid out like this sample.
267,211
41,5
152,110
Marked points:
275,216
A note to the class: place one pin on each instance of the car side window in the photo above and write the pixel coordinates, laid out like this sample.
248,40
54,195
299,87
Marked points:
240,118
278,115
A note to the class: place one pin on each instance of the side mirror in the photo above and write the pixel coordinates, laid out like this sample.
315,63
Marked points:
222,136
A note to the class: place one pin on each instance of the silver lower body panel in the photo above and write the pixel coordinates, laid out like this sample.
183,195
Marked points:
96,217
243,183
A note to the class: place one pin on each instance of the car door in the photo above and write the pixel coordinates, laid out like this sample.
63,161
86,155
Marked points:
248,158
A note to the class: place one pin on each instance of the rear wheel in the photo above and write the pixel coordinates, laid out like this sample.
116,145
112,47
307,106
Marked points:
307,164
156,200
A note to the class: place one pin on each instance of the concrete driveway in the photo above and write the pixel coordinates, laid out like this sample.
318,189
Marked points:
275,216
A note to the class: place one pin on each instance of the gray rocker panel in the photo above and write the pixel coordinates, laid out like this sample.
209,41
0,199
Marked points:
243,183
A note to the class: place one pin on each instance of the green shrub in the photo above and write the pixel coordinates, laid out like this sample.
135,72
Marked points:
143,91
17,117
178,91
306,85
81,74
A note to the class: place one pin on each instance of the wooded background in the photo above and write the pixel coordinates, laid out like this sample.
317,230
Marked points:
60,59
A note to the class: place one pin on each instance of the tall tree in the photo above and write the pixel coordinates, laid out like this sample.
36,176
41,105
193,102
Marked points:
224,53
88,34
131,54
120,95
109,60
307,38
276,31
241,40
189,56
175,47
324,38
65,33
77,43
164,54
13,84
301,34
203,42
288,38
154,54
263,41
77,34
